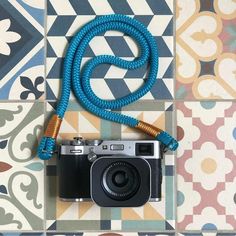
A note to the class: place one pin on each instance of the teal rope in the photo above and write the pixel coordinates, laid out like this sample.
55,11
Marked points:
79,81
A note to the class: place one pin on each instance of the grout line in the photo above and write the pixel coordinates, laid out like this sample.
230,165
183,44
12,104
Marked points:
22,101
174,49
175,168
144,100
141,231
124,231
16,232
44,112
208,231
44,177
205,100
175,120
45,48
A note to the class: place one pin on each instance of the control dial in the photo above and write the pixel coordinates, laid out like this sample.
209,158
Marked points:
92,156
78,141
94,142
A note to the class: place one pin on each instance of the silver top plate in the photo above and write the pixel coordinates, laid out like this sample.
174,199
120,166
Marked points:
109,147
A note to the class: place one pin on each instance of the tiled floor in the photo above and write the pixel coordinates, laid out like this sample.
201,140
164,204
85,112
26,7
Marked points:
196,101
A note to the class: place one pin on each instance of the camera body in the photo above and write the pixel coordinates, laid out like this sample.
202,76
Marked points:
113,173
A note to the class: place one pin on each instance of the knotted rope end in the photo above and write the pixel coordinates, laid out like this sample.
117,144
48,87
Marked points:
168,141
48,142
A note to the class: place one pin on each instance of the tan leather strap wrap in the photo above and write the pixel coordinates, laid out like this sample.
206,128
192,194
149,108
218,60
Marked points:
148,129
53,127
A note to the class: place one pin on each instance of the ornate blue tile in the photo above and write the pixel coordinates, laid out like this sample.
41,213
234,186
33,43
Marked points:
21,49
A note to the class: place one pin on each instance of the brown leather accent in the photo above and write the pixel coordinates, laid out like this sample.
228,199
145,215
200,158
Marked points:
53,127
148,128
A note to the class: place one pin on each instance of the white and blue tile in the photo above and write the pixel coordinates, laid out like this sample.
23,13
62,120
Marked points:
21,50
64,18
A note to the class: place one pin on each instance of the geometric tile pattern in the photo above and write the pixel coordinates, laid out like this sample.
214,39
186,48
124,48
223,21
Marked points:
65,18
206,59
87,215
200,191
21,49
21,173
206,165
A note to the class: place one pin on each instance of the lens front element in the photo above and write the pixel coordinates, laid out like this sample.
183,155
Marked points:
120,180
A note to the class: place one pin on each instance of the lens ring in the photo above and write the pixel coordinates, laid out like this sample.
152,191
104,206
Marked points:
128,187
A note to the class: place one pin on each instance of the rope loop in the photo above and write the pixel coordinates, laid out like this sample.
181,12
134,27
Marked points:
79,79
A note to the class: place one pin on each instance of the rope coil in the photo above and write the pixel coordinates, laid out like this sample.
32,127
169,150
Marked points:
79,79
148,129
53,127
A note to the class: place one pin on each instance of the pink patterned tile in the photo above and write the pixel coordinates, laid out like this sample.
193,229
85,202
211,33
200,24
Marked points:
206,165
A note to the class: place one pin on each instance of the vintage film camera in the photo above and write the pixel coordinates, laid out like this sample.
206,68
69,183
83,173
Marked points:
113,173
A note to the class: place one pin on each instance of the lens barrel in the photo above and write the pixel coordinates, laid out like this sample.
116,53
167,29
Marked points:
120,181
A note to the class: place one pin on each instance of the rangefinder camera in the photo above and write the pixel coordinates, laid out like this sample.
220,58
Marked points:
112,173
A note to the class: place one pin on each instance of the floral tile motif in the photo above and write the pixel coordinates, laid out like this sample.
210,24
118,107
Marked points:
67,216
21,173
206,165
206,58
21,49
66,17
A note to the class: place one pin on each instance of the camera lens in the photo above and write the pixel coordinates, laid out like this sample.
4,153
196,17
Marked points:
120,180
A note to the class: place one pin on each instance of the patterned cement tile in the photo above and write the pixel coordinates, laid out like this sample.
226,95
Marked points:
206,165
21,173
206,58
67,16
21,49
87,216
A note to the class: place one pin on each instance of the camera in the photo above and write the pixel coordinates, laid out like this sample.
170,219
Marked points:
112,173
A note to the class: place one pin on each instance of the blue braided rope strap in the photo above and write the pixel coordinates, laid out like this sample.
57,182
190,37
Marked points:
79,80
